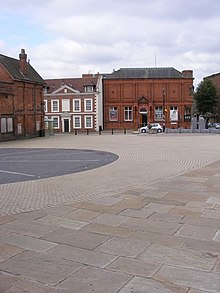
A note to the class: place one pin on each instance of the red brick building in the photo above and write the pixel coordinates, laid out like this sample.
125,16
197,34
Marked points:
74,104
215,78
21,99
134,97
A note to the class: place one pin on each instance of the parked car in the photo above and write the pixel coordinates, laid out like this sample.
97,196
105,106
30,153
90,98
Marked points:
144,129
156,126
217,125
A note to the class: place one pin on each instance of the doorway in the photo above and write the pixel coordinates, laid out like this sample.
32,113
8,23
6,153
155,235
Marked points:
66,124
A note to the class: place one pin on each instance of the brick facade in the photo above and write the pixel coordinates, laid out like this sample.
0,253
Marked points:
134,97
21,99
74,104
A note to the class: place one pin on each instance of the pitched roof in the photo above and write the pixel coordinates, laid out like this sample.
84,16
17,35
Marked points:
12,66
75,83
163,72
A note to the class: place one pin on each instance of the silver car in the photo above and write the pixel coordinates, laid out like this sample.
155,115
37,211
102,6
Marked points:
152,126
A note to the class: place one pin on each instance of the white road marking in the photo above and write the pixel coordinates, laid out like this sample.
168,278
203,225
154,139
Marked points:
16,173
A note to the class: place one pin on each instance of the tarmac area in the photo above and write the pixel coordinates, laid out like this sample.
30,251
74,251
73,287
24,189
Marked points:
24,164
123,213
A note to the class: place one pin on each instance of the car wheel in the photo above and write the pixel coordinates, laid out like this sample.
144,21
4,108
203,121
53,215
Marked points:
143,131
159,130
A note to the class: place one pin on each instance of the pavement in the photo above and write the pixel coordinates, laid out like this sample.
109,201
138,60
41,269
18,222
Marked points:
147,222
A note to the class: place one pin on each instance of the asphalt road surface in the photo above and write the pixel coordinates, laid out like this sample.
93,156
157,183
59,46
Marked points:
23,164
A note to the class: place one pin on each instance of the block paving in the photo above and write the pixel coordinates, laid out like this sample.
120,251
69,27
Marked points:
149,222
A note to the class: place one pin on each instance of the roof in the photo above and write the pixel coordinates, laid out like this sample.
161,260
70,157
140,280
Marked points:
75,83
12,66
163,72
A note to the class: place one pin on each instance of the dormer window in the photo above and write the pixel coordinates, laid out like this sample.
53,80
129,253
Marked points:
89,88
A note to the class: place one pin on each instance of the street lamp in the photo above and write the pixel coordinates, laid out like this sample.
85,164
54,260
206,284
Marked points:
164,111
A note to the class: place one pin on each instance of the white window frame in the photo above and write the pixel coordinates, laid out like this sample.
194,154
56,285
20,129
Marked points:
45,106
74,105
65,105
52,105
85,122
159,110
89,88
128,110
85,105
58,122
74,122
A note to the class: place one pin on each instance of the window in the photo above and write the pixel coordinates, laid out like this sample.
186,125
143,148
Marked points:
88,105
158,114
3,125
54,105
56,123
65,105
128,113
173,113
76,121
45,106
89,88
6,125
113,114
88,122
76,105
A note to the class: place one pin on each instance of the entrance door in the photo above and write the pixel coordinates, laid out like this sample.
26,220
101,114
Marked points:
66,125
143,119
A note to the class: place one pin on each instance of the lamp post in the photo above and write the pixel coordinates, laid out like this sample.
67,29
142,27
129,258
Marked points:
164,111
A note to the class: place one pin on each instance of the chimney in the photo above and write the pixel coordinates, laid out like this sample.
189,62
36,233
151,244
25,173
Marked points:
187,73
23,62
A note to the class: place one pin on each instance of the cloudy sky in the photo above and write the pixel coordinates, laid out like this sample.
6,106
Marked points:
65,38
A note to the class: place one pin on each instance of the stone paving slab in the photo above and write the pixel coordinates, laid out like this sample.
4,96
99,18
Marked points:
31,228
143,285
40,267
8,251
179,257
62,222
83,256
151,225
191,231
89,280
81,239
123,247
27,242
160,238
134,267
208,282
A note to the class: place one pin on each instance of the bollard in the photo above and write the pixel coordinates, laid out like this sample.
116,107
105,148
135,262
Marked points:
75,132
112,131
124,130
87,131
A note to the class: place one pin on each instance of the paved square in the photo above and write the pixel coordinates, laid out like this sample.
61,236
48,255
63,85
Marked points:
147,222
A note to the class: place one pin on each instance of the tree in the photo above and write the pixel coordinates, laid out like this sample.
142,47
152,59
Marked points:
206,98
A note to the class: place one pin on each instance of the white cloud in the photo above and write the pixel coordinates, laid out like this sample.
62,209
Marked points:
80,36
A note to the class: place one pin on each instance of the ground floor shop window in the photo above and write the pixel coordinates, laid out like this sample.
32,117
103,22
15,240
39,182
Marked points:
173,113
6,124
158,114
